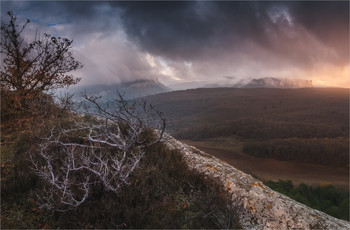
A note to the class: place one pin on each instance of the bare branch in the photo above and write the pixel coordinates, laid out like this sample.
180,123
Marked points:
104,151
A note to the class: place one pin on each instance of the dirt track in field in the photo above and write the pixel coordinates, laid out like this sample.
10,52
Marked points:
270,169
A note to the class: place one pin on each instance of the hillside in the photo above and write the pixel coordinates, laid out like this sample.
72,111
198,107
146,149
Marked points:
160,192
259,206
121,150
311,112
302,131
175,186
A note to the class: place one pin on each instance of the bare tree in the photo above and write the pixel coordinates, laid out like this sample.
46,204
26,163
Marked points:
31,68
104,150
65,101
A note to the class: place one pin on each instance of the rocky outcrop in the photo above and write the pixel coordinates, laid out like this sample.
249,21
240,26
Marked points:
259,207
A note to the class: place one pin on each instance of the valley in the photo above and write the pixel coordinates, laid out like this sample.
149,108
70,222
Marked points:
271,169
174,115
290,134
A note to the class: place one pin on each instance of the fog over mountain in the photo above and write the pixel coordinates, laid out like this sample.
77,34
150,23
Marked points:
263,82
270,82
129,90
198,41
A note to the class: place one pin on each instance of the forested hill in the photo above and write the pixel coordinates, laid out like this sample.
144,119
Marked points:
304,119
308,112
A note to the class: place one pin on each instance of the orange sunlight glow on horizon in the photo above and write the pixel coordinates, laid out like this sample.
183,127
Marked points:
331,77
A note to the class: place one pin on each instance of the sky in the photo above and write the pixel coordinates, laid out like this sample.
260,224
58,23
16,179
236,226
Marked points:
197,41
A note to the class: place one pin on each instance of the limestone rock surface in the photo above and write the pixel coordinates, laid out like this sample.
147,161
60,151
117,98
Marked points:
259,207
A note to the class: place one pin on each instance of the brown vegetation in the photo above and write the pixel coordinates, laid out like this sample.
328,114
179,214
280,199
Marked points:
31,68
162,193
309,125
270,169
332,152
291,134
63,170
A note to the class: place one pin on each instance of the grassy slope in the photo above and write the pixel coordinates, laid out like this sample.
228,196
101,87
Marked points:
163,192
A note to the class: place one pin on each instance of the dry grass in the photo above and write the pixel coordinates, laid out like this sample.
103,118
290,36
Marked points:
271,169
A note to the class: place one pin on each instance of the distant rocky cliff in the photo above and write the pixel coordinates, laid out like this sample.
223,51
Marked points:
270,82
258,206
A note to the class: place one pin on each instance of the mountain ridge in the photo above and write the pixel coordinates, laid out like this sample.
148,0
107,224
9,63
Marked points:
271,82
129,90
264,82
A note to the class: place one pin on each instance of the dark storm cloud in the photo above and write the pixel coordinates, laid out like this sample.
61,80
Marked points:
48,11
325,19
99,41
52,10
190,29
198,40
165,27
328,21
82,17
183,29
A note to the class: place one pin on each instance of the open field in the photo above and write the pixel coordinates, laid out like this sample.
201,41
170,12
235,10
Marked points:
271,169
296,134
